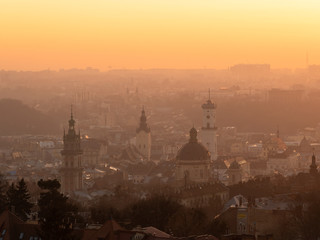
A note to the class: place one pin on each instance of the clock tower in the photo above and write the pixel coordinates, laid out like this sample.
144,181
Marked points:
209,129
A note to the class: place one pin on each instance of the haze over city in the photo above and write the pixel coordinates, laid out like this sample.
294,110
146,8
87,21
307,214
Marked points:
159,120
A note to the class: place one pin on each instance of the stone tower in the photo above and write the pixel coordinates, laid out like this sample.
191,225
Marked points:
313,166
71,170
143,137
209,129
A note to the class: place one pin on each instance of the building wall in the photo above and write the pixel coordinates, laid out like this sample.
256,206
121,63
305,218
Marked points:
198,171
143,144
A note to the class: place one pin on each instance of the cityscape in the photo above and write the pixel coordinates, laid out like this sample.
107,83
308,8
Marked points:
164,146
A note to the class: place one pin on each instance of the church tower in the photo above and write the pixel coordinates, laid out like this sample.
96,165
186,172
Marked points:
143,137
209,129
313,166
71,171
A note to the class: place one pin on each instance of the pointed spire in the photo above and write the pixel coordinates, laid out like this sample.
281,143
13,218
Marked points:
278,132
193,135
209,104
71,112
143,122
71,121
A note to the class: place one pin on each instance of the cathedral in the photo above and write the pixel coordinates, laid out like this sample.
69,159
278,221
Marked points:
192,162
71,170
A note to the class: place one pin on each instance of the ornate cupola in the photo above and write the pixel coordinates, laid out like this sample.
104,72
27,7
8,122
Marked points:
71,140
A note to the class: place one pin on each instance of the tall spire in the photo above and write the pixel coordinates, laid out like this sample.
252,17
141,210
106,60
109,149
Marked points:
313,166
209,104
278,132
143,122
71,121
71,138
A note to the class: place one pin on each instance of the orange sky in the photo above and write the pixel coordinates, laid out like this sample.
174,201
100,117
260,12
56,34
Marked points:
104,34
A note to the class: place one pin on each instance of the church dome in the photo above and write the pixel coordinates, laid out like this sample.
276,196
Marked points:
193,150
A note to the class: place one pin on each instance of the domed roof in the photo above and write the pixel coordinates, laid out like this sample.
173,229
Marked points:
193,150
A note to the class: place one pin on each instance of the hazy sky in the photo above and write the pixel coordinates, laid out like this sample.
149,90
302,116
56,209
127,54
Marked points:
41,34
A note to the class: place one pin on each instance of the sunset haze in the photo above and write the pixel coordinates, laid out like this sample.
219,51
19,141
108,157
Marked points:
131,34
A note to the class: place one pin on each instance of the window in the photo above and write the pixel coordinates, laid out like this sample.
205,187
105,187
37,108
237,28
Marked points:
3,232
21,235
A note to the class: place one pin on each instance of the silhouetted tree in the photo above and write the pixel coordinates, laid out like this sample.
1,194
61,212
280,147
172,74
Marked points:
3,197
18,199
54,211
187,221
154,211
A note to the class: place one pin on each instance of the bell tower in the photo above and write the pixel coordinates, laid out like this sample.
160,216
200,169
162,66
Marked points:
143,137
209,129
71,170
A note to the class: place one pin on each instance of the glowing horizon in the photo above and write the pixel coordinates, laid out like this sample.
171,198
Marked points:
144,34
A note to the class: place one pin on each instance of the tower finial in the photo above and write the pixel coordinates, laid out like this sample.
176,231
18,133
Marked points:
278,132
209,94
71,112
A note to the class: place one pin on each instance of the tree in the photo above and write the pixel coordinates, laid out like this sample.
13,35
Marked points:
55,213
187,221
3,197
19,199
152,212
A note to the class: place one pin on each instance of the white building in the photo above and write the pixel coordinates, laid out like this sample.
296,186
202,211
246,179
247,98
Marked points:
209,130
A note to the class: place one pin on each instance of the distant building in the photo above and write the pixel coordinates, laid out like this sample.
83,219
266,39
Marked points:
143,137
235,173
94,150
282,96
193,162
202,195
209,129
250,69
261,216
71,170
